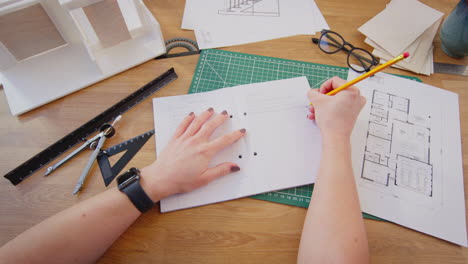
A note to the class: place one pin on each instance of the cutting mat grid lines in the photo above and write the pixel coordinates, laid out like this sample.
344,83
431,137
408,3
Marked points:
219,69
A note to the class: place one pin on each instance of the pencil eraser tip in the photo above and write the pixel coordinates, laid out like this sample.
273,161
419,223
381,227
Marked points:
406,54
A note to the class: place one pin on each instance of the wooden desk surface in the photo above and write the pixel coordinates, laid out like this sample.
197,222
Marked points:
240,231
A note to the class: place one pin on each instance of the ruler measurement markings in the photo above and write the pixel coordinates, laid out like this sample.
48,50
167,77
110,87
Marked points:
35,163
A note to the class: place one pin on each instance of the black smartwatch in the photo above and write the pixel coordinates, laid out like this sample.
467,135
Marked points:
129,183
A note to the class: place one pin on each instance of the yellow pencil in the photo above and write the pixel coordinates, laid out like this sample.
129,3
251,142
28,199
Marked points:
370,73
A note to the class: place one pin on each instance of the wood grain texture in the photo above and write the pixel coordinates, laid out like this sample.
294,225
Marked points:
239,231
28,32
108,22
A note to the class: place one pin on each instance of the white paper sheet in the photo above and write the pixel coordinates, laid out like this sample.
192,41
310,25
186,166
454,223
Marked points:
404,21
421,58
287,145
217,38
411,48
217,23
407,156
428,67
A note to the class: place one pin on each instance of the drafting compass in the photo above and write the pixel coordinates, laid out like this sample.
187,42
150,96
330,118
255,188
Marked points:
95,143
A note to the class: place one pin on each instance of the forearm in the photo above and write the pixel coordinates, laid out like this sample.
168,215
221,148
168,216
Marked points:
80,234
334,230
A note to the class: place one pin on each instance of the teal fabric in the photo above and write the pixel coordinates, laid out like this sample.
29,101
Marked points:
454,31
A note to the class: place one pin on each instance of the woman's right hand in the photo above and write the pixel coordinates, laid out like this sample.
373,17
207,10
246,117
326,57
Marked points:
335,115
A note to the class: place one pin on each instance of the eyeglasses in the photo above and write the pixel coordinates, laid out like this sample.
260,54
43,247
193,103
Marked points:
331,42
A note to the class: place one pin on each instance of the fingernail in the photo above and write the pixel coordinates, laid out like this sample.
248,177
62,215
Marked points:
224,112
242,130
210,109
191,114
235,168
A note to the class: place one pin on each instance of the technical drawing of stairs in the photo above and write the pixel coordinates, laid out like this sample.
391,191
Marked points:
247,8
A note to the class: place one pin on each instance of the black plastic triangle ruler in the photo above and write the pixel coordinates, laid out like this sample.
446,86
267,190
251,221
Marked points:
24,170
132,146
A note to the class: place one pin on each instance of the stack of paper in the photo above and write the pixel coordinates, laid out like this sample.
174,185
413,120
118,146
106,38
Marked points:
404,25
280,150
219,23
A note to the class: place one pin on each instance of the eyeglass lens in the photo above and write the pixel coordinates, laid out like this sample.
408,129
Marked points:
331,42
361,58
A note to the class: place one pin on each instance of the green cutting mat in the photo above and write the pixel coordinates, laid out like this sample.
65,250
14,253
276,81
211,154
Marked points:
218,69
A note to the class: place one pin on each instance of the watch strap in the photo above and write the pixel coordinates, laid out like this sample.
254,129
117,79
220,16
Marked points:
138,196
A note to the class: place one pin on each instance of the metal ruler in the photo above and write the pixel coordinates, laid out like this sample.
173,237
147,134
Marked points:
450,68
24,170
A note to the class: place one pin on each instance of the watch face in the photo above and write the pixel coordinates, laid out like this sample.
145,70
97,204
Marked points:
122,178
128,177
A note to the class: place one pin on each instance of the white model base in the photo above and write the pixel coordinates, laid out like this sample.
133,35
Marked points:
41,79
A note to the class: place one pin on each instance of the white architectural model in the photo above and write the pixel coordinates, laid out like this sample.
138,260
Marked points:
50,48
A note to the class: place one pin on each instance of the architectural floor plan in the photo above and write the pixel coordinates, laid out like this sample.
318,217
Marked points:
407,159
398,145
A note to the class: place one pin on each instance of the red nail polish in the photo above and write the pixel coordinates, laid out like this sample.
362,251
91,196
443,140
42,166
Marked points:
235,168
242,130
224,112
